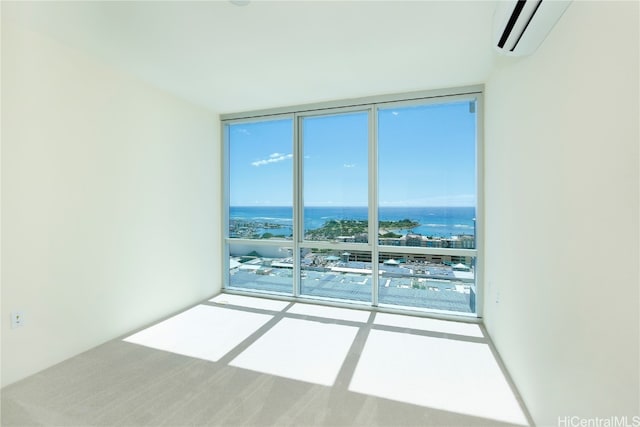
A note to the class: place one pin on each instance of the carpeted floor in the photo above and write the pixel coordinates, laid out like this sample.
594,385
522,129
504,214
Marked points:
122,383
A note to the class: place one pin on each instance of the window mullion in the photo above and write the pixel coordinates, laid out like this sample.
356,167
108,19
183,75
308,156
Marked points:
298,210
225,197
373,204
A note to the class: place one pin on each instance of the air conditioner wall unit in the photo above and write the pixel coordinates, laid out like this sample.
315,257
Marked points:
520,26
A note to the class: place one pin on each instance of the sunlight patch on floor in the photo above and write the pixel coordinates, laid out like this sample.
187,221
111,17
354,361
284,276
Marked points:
203,332
445,374
300,350
426,324
335,313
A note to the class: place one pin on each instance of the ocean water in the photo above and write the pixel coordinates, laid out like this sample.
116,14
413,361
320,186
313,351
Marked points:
434,221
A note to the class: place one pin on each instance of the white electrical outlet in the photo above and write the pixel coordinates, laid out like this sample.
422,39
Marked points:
17,319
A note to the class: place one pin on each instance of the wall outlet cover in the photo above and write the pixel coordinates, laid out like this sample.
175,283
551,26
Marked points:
17,319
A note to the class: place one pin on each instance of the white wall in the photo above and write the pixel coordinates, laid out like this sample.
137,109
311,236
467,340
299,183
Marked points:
562,191
110,203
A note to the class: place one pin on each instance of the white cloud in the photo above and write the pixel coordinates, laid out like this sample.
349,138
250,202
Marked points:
349,165
273,158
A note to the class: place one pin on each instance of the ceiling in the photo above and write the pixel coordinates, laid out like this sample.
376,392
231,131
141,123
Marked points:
266,54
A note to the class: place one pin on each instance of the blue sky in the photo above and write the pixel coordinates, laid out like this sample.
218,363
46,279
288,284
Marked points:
426,158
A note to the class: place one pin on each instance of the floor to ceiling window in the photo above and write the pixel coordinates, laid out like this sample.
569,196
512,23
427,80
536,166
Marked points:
335,183
260,205
372,202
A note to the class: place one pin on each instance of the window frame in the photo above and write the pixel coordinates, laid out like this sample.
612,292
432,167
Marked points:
371,105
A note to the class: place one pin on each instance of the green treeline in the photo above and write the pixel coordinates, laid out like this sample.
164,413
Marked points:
351,227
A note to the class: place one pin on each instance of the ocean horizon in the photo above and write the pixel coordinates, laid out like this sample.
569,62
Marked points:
436,221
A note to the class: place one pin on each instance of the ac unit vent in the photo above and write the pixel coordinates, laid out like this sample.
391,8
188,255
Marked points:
520,26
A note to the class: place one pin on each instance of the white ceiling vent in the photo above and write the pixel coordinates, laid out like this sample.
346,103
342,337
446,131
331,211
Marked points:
521,25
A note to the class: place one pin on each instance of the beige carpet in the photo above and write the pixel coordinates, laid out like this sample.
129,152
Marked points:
125,384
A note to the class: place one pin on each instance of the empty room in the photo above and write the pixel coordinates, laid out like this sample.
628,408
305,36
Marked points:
320,213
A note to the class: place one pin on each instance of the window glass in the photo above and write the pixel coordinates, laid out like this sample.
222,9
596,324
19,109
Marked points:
261,268
336,178
438,282
336,274
427,175
261,180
